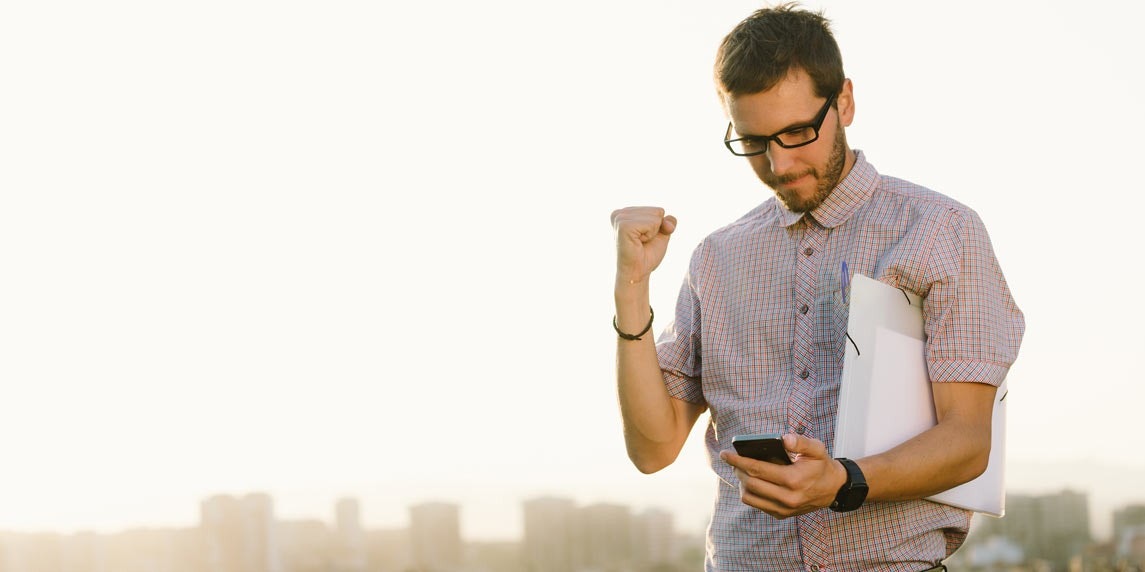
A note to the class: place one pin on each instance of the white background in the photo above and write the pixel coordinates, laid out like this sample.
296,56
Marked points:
360,248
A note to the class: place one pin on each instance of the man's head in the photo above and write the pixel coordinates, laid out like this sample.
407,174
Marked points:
780,77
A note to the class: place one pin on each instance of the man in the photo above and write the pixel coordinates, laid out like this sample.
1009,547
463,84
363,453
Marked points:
760,325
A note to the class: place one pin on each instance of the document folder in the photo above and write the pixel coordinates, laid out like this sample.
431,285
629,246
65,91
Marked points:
885,396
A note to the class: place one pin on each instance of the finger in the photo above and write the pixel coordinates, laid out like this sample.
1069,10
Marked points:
805,446
643,224
754,468
769,498
737,461
637,211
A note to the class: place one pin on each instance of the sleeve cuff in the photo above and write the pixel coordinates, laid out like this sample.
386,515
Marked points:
944,371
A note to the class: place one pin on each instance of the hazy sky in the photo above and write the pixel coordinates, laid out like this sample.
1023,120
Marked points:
363,248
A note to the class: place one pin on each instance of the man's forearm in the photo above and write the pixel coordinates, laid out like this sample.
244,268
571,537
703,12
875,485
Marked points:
655,424
951,453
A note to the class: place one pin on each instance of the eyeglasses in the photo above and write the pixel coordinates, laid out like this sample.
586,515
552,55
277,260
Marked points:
795,137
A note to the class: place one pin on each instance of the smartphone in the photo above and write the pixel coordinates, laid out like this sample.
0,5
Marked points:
766,447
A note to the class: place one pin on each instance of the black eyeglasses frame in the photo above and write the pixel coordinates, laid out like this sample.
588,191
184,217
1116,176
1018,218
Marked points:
766,140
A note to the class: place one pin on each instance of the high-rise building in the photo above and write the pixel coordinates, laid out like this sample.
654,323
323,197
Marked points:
1130,546
435,534
83,552
1125,518
304,544
551,535
1053,528
653,539
388,550
239,534
349,538
1129,535
607,530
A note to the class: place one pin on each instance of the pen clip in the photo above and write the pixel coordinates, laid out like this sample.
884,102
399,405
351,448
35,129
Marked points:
844,281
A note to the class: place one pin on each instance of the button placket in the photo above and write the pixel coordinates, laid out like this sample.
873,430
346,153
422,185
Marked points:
801,414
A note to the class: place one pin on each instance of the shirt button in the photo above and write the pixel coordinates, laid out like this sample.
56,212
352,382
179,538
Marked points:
804,374
800,429
814,568
808,251
803,309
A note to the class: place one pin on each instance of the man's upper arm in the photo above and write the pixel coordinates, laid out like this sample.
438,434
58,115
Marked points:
964,402
968,406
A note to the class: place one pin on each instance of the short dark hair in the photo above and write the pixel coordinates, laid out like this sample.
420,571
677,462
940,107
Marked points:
773,42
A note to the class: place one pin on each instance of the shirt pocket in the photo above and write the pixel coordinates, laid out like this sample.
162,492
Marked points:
831,312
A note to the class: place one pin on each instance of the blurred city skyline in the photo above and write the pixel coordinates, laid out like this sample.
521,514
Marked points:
244,533
492,516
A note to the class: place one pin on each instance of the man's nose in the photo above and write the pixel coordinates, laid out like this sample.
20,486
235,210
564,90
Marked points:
782,160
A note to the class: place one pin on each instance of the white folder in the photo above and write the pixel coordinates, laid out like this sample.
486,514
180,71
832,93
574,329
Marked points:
885,396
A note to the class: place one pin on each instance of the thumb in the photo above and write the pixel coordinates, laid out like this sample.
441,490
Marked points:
668,225
805,446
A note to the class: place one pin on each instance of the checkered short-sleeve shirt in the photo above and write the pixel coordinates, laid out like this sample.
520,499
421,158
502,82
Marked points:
758,337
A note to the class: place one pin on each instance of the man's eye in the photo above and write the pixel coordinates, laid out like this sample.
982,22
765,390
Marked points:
797,135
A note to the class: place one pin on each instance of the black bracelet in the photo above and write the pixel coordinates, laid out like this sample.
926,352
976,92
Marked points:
651,316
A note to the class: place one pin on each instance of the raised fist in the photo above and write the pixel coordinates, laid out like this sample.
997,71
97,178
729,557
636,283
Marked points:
641,240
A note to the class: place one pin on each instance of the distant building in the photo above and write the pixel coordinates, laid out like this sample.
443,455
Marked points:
165,550
1051,528
169,550
1125,518
83,552
304,545
239,534
607,532
551,535
349,538
501,556
654,539
996,553
38,551
1129,546
435,534
388,550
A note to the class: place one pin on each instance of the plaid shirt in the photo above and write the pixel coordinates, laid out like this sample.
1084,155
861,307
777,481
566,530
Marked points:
758,336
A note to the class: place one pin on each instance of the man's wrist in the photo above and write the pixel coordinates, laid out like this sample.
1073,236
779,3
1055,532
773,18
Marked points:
631,295
626,284
837,477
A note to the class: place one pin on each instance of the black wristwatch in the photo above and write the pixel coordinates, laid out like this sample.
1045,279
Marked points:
853,492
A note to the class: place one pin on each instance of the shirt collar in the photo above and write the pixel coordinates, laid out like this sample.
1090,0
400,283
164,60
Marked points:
844,200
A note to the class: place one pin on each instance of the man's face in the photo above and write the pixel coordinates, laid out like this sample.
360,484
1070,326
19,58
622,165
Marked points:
802,177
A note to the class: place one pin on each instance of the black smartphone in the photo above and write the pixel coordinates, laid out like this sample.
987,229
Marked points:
766,447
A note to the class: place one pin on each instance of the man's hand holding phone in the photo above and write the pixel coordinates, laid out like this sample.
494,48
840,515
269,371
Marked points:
784,476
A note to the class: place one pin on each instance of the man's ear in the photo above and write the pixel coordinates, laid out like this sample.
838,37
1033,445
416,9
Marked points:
846,103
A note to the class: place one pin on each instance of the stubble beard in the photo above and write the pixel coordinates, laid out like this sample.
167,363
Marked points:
826,182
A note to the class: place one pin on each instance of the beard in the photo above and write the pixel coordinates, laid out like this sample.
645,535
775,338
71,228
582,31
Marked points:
825,181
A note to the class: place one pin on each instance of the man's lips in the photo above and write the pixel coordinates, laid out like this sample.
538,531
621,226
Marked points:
795,181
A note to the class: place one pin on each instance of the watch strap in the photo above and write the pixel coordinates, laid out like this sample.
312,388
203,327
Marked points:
854,490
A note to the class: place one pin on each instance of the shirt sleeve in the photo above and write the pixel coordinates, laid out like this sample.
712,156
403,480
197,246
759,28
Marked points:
678,348
973,326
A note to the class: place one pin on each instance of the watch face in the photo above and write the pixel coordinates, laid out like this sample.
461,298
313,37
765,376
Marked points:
850,498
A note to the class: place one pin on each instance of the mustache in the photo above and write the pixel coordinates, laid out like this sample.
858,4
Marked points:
789,177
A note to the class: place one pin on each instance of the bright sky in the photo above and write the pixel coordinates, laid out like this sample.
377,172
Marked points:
328,248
